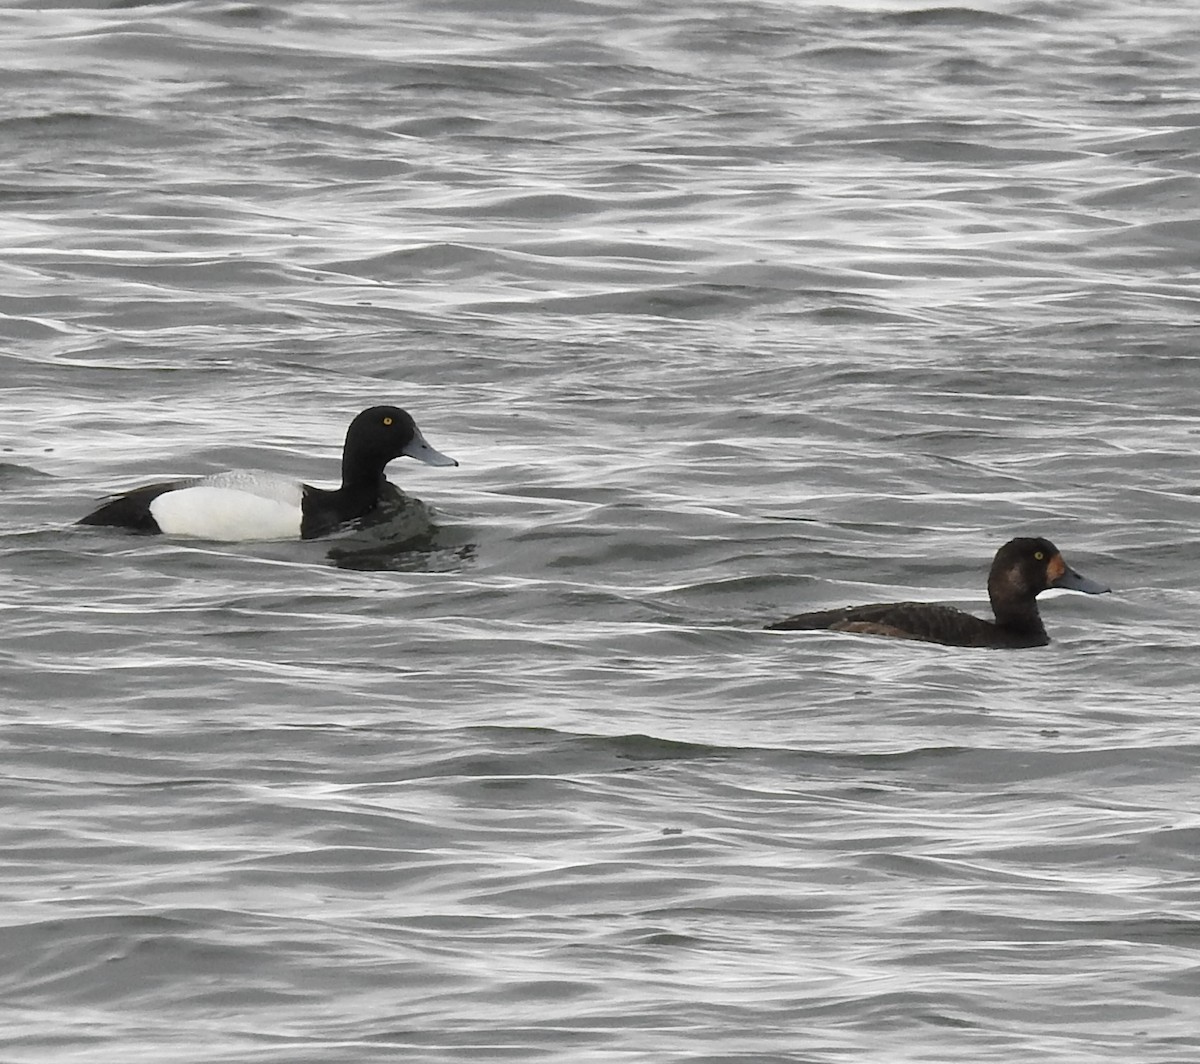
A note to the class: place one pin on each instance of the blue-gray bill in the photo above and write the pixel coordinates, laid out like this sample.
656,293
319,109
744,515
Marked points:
420,449
1073,581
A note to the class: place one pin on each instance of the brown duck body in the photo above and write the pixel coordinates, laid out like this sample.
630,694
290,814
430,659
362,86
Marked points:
928,621
1022,569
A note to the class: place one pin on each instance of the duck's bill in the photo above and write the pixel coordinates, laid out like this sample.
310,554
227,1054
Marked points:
418,448
1073,581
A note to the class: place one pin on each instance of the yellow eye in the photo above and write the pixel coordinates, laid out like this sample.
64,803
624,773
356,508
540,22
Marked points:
388,421
1040,555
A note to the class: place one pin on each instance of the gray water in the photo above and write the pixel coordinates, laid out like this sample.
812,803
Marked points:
728,310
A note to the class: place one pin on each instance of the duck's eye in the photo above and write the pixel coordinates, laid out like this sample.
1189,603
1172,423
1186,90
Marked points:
388,421
1040,555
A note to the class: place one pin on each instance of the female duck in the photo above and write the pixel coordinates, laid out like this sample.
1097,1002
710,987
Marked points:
1022,570
245,505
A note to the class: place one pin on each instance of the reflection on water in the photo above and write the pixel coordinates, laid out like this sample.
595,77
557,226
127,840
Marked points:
401,536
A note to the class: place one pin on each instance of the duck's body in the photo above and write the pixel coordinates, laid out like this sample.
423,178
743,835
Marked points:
1022,569
247,505
930,622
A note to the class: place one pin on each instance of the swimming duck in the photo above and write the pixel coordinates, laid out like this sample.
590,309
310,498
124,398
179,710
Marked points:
1023,568
248,505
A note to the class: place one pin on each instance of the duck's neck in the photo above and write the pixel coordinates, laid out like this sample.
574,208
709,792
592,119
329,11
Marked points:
362,480
1020,617
361,472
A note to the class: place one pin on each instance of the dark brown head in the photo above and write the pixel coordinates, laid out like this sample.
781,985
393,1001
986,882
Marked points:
1027,566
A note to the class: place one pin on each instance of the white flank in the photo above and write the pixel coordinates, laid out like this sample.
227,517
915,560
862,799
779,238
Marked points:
211,512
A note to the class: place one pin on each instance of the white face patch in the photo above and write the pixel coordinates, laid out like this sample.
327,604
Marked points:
209,512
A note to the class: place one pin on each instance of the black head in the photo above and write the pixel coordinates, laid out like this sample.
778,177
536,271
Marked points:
382,430
1027,566
381,433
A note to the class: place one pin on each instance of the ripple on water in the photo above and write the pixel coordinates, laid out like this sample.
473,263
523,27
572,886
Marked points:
726,312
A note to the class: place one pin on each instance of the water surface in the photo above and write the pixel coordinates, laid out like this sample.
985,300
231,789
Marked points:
727,312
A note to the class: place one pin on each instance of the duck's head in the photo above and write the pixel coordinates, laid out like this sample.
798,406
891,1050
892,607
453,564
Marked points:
381,433
1026,566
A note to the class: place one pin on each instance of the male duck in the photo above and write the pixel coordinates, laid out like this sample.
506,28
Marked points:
247,505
